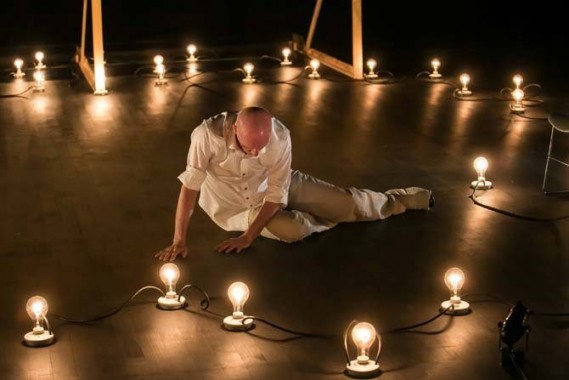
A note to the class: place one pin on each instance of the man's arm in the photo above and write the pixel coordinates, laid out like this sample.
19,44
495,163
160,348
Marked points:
184,211
243,241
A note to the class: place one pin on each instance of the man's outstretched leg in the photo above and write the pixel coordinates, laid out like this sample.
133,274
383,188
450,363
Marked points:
330,202
316,206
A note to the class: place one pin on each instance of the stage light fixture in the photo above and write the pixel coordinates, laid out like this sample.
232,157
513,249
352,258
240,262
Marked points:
286,53
39,81
481,165
518,105
19,73
238,294
464,80
191,51
436,63
39,56
41,334
518,80
454,280
248,69
363,336
371,65
314,65
159,70
169,274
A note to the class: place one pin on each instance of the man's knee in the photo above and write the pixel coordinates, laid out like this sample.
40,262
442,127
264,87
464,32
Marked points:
289,229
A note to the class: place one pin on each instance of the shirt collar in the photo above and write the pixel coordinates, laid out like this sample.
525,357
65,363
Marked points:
233,145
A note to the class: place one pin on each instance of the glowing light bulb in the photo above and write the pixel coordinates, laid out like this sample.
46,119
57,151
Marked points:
363,335
19,73
191,51
238,294
464,80
314,65
371,65
518,80
248,68
518,106
39,56
37,308
39,81
454,280
170,274
159,70
286,53
481,165
158,59
436,63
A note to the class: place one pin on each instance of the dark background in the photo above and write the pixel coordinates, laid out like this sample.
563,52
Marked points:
490,39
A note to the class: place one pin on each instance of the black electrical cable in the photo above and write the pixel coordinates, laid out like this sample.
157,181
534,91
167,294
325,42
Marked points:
111,313
531,118
474,99
303,334
491,296
511,214
421,74
420,324
204,303
18,95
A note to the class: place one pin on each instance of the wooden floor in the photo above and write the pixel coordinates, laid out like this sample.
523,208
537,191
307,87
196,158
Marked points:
88,188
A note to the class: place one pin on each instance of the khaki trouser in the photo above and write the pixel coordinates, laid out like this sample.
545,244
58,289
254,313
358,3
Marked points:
316,206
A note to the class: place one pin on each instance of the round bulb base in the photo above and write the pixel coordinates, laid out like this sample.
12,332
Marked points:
314,75
464,92
458,308
33,339
40,66
371,76
38,88
160,82
286,63
481,185
248,80
362,371
166,303
100,92
192,59
435,76
19,75
517,108
237,324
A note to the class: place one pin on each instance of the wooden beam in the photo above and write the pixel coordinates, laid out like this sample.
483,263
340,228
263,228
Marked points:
354,70
357,40
313,23
95,78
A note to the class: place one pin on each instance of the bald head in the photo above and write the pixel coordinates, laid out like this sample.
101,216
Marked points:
253,129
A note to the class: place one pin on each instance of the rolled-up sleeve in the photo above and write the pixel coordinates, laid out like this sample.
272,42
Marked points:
279,175
199,156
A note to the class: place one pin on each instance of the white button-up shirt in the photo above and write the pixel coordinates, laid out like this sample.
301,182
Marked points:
232,183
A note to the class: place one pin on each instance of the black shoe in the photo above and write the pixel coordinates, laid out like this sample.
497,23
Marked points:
431,201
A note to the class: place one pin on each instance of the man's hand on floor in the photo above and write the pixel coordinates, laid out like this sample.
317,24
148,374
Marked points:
234,244
170,253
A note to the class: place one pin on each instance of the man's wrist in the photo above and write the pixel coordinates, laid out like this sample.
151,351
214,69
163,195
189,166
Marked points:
250,236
